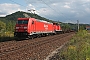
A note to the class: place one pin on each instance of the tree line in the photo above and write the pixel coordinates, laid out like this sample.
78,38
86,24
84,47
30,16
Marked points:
7,26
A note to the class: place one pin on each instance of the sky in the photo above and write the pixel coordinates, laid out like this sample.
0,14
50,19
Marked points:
68,11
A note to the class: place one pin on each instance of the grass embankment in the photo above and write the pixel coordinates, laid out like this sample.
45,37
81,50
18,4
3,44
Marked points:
6,36
78,48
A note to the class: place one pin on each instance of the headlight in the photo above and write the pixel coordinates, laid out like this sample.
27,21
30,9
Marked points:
17,27
25,27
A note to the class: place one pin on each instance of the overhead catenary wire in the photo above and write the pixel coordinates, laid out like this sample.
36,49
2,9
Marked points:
17,3
37,6
35,10
20,5
53,9
57,10
49,7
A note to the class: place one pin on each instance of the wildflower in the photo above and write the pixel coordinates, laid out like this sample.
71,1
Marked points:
87,58
72,47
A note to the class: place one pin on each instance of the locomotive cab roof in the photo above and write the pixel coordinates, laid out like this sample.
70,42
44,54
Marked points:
23,18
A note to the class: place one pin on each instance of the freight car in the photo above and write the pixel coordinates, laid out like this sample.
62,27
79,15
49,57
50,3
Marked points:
31,27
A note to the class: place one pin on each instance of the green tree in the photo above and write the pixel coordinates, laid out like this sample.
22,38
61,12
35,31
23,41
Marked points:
82,27
65,26
10,26
2,25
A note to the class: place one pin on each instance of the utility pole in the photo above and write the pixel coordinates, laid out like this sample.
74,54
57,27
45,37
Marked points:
78,25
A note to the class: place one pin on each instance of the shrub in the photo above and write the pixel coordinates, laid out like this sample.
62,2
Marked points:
78,48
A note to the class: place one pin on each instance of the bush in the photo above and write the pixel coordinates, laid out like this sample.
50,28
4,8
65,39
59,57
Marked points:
78,48
6,36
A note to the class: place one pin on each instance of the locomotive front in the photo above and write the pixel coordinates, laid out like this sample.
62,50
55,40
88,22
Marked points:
21,28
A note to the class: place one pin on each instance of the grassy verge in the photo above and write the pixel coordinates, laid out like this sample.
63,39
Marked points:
78,48
6,36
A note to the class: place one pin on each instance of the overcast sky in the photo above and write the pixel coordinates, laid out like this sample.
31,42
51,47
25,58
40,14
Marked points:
59,10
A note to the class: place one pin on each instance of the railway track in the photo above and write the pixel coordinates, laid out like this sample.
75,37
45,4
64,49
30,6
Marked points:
37,48
15,45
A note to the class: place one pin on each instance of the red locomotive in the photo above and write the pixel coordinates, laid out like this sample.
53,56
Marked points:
31,27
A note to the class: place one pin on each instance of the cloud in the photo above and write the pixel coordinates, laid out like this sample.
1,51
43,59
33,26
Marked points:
87,10
30,6
66,6
7,8
63,10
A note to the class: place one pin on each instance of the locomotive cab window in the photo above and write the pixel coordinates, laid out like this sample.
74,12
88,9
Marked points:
22,22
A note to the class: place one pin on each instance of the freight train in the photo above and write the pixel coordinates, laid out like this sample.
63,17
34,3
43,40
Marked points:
31,27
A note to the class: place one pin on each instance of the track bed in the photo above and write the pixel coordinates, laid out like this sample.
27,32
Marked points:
35,49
